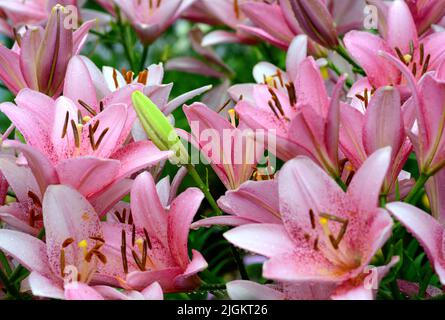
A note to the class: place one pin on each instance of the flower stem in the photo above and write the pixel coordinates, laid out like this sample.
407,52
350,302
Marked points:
5,263
412,197
10,288
338,72
143,57
123,30
239,262
344,53
204,188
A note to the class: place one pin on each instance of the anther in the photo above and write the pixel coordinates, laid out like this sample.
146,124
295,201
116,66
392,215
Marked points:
101,137
76,134
65,125
87,107
124,252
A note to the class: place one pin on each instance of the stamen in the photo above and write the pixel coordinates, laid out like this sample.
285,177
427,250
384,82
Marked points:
400,55
62,263
96,125
414,69
124,215
311,216
324,218
76,134
133,235
316,244
101,106
422,54
35,199
67,242
87,107
124,252
292,94
31,219
236,9
271,106
118,216
280,77
147,238
426,65
130,218
102,258
101,137
224,105
116,83
138,261
91,136
65,125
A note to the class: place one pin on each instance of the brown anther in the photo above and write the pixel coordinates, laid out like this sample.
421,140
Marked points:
236,9
101,106
79,116
76,134
91,136
224,105
142,77
411,48
426,65
102,258
349,178
144,253
31,219
133,235
400,55
96,125
67,243
290,87
271,106
312,217
316,244
280,77
118,216
98,239
65,124
87,107
116,83
124,252
62,263
360,97
101,137
147,239
35,199
422,54
130,218
414,69
124,215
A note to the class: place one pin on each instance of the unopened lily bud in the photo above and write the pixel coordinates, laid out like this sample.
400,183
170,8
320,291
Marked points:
316,21
158,128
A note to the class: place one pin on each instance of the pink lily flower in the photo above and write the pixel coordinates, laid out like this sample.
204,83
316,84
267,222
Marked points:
316,21
425,13
327,236
29,12
232,150
381,125
79,250
427,230
228,13
252,202
162,234
61,144
306,110
401,41
34,64
151,18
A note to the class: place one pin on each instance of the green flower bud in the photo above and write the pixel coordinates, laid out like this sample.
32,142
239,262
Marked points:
158,128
